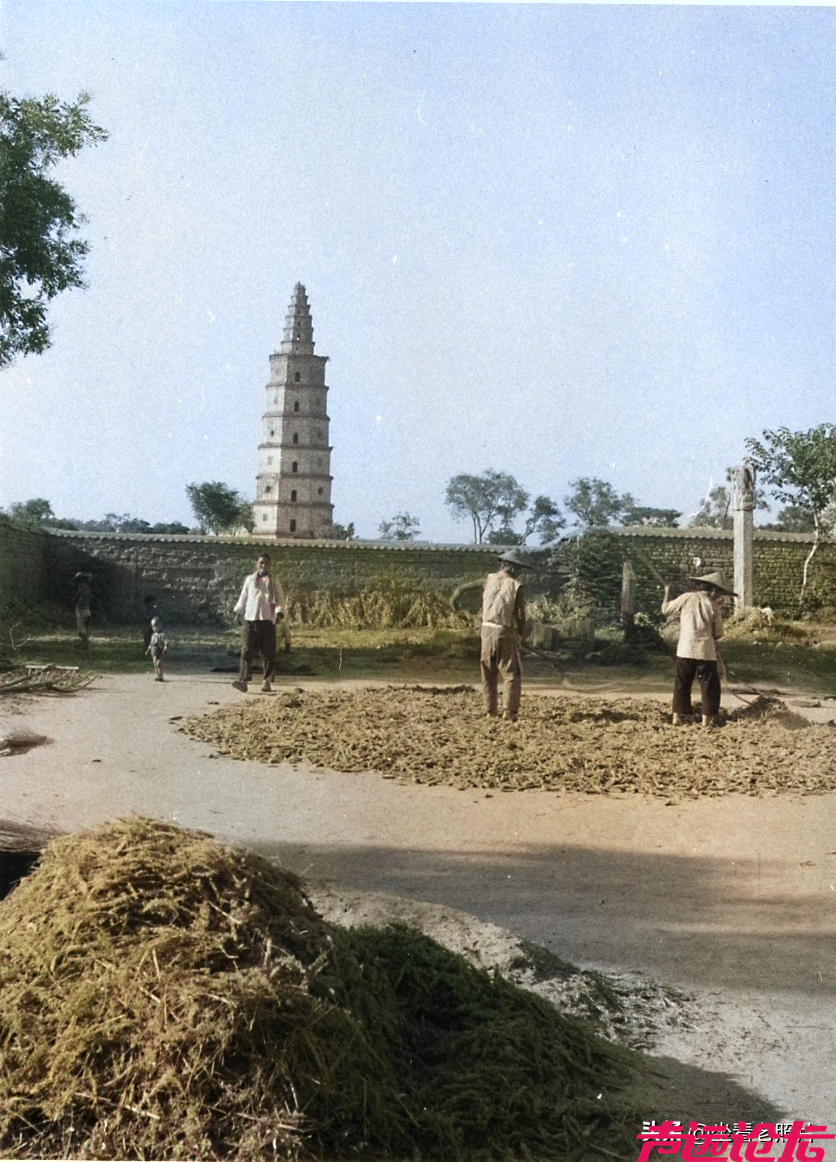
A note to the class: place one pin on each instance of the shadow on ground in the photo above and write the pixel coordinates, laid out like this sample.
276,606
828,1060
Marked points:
696,921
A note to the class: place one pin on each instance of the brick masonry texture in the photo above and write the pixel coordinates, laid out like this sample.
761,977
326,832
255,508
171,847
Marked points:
196,580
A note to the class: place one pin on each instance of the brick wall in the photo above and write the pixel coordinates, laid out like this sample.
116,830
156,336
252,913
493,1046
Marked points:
197,579
778,563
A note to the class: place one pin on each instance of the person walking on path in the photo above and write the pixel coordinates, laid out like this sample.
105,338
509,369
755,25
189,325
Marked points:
700,628
81,605
260,603
503,622
157,647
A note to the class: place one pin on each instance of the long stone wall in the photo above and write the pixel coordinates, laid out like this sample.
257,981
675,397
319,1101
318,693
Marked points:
197,579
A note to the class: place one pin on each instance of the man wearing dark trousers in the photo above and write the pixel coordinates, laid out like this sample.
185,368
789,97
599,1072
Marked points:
260,604
700,628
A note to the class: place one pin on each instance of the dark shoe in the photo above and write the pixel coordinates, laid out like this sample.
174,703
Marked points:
239,685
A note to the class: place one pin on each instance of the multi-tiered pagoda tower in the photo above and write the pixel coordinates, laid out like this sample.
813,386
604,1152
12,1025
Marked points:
293,494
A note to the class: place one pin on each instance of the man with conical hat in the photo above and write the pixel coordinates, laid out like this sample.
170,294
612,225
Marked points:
503,622
700,627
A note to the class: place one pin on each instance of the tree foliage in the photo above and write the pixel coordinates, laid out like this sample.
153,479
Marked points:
35,513
402,527
338,532
714,511
40,249
219,508
543,517
792,519
636,514
485,500
799,468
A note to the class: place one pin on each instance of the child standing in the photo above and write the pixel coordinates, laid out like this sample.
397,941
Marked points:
157,647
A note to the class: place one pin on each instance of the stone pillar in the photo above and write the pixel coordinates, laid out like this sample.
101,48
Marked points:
628,600
742,480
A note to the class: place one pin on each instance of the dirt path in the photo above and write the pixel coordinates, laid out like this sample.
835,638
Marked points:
731,899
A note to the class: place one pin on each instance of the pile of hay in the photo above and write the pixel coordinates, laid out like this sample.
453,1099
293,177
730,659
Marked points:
163,996
574,743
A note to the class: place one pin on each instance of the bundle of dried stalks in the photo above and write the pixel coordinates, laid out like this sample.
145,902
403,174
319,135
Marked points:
46,680
162,996
154,1001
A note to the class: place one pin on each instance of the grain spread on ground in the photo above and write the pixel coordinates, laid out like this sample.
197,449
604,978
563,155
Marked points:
163,996
436,735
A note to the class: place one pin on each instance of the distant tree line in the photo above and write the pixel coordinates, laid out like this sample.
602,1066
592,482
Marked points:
798,469
37,513
495,501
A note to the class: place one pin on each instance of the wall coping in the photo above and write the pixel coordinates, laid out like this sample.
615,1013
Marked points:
706,534
649,531
274,542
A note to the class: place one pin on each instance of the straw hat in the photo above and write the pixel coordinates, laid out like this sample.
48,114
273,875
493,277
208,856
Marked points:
718,580
514,557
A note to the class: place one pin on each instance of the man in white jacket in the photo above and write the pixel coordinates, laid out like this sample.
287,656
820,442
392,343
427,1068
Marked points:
700,627
261,604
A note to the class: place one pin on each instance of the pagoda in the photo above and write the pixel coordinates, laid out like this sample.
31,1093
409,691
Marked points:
293,490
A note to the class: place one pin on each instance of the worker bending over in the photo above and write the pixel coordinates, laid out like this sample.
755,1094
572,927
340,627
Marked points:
700,627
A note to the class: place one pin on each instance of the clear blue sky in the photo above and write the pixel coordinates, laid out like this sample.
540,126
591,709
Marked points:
554,240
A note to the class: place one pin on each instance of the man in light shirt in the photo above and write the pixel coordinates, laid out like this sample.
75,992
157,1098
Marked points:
700,627
503,622
260,604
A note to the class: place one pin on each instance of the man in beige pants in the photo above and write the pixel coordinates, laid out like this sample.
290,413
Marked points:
503,622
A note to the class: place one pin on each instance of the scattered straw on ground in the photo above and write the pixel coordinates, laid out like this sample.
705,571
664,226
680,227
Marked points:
46,679
440,735
162,996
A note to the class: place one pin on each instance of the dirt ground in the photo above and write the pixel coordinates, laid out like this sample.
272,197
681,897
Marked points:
729,901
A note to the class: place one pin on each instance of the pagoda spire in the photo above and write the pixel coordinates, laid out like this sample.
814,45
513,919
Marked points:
298,329
293,487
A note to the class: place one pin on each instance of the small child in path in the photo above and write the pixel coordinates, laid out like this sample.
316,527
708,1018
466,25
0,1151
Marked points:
157,647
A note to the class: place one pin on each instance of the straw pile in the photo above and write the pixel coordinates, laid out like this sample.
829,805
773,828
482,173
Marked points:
594,745
162,996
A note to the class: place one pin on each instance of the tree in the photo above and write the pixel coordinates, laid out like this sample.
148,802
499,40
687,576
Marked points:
545,518
713,512
219,508
33,513
402,527
338,532
595,502
635,514
800,470
792,519
40,250
485,499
